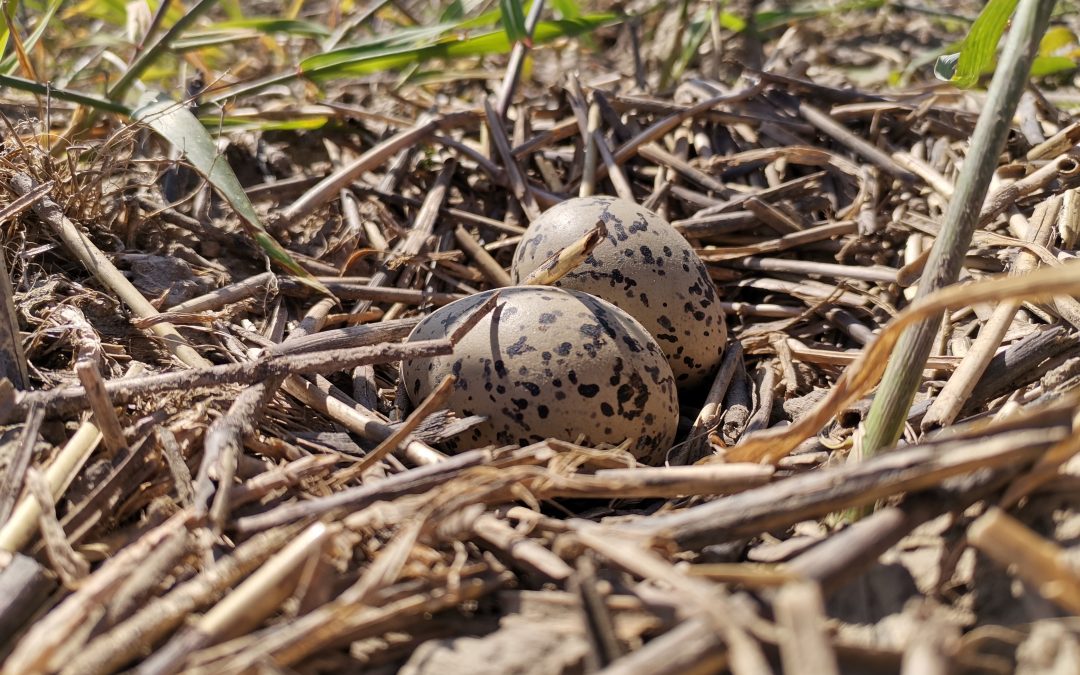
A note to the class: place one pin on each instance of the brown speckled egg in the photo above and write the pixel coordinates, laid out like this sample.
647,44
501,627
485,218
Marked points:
644,267
551,363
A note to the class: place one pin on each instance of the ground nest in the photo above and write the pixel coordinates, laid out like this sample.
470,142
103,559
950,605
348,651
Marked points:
210,466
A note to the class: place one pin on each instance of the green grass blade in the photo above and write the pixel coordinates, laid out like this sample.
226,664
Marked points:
513,20
412,46
362,61
257,123
732,22
567,9
62,94
225,32
978,48
698,31
269,24
175,123
113,12
769,19
1044,66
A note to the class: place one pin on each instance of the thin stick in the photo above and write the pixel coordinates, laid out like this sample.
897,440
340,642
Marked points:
12,357
614,171
224,438
330,186
1063,167
709,415
19,529
1040,562
948,403
567,259
518,184
321,363
109,651
47,644
1056,144
800,618
517,58
875,273
828,125
238,605
588,172
432,403
219,297
104,412
18,461
817,493
487,265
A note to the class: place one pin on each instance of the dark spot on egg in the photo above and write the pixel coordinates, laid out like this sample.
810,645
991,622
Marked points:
588,390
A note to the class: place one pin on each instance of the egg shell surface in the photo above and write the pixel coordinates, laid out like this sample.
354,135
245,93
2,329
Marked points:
645,267
551,363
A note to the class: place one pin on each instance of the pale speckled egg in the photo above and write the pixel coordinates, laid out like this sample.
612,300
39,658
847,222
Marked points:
551,363
645,267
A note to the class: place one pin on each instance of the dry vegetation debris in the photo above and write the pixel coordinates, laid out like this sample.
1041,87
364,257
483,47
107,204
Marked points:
209,467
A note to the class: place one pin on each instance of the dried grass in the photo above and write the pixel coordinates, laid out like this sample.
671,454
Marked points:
264,499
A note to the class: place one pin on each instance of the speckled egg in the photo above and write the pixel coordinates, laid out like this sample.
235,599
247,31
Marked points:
551,363
644,267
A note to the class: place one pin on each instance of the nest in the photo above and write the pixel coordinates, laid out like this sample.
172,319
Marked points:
210,467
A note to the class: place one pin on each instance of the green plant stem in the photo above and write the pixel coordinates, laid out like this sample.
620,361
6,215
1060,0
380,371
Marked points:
62,94
904,372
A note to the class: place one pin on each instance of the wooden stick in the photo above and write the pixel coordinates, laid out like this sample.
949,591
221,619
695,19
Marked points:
69,565
12,357
853,484
224,438
496,533
1056,144
518,184
946,406
937,182
104,412
487,265
877,273
1038,561
20,528
323,363
567,259
800,618
219,297
614,171
828,125
25,586
709,416
647,482
19,460
517,59
109,651
49,643
330,186
591,120
433,402
1061,168
691,647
